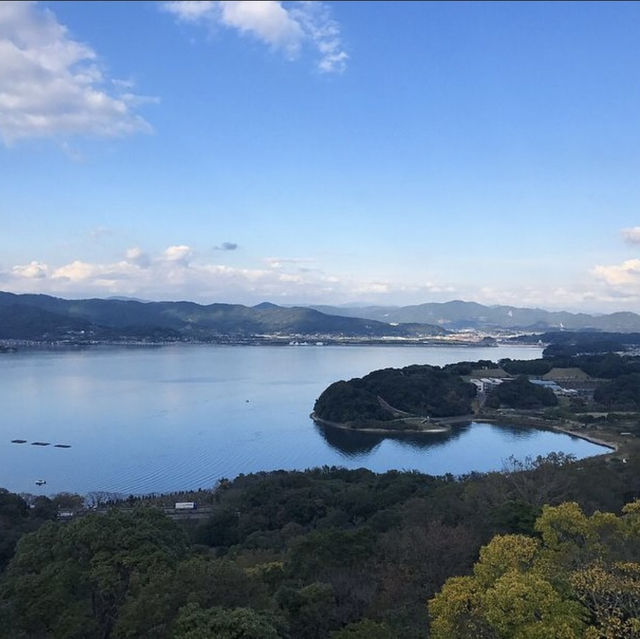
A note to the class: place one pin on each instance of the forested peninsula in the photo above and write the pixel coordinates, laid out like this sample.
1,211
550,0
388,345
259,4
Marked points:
396,399
573,390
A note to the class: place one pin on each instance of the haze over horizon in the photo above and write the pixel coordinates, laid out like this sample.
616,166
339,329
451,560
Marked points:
322,153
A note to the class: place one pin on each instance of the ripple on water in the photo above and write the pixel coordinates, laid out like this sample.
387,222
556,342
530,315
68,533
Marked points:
199,427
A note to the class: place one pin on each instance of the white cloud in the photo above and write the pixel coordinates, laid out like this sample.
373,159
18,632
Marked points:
267,21
52,86
33,270
189,10
324,32
76,271
280,262
179,272
138,257
286,29
632,235
620,274
373,287
180,253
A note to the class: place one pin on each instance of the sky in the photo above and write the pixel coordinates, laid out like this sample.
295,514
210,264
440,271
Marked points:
322,153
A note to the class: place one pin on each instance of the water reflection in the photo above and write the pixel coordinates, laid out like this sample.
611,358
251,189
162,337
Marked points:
176,418
352,443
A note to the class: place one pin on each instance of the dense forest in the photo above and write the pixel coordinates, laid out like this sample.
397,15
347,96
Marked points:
521,393
568,343
431,391
322,553
420,390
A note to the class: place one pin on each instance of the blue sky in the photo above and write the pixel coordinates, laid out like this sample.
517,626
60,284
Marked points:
388,153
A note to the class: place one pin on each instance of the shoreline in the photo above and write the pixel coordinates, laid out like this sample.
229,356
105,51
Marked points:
612,446
385,431
9,345
564,428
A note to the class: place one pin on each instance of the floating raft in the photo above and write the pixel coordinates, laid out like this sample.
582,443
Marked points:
24,441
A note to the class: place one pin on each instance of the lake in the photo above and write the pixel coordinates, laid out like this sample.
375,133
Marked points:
141,420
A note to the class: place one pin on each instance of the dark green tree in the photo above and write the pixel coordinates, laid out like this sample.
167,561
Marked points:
73,580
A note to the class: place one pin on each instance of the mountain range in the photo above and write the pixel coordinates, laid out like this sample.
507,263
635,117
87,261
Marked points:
458,315
43,317
47,318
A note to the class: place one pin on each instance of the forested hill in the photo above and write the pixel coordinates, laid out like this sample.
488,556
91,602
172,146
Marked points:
42,317
598,383
417,390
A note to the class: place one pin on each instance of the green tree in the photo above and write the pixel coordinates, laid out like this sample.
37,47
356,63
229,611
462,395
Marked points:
222,623
521,393
572,582
311,609
364,629
72,580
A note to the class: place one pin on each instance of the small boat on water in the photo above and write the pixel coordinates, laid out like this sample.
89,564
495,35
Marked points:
18,441
41,482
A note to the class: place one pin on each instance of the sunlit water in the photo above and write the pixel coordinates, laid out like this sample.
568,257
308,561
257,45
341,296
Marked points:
180,417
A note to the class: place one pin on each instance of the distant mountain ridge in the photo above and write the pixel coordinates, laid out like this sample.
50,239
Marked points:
43,317
457,314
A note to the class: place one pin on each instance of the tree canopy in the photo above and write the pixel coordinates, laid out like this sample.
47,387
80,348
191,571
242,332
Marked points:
422,390
579,578
521,393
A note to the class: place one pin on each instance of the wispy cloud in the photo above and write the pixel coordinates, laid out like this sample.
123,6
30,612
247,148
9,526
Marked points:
279,262
100,232
52,85
287,29
317,23
632,235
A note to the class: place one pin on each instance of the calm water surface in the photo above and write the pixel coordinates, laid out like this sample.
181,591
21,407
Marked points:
180,417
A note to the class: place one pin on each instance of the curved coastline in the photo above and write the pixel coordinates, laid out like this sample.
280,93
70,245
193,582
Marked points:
589,438
566,427
444,426
388,431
